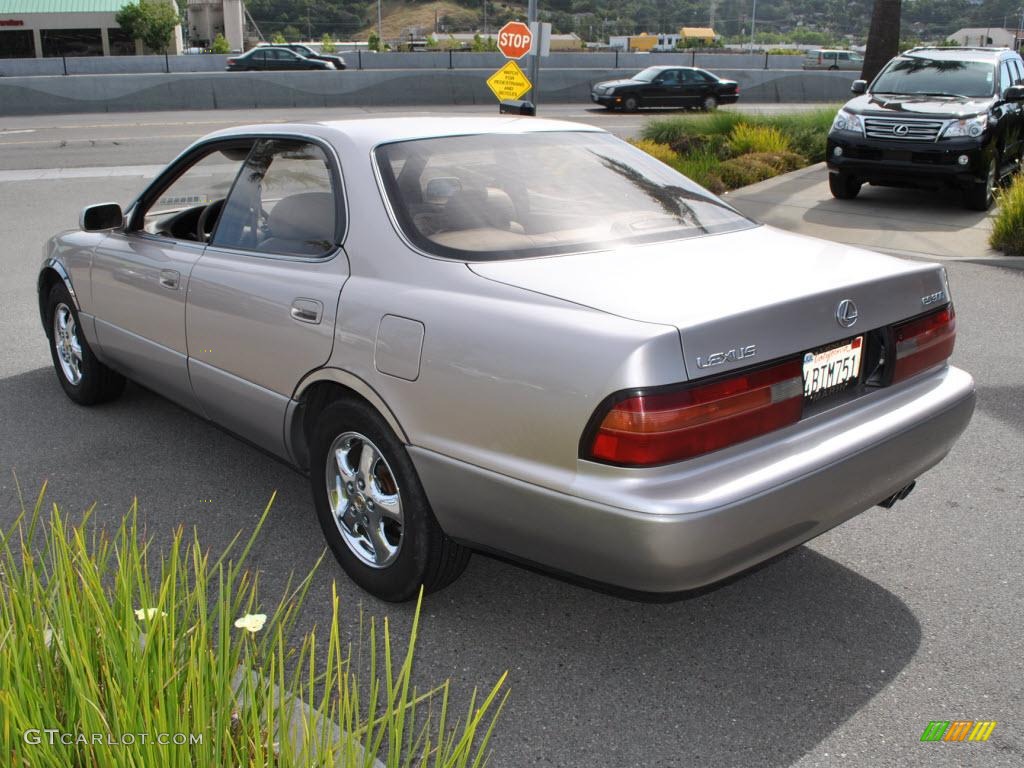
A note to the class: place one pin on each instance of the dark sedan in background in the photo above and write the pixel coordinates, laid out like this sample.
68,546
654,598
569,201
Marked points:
666,87
273,58
309,53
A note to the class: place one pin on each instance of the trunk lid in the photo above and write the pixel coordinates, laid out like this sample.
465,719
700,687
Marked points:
759,288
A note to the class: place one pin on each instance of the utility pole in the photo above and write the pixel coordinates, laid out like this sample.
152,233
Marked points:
380,24
531,17
711,14
753,22
485,18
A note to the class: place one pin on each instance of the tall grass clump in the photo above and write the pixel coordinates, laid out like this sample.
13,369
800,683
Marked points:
1008,224
114,654
746,138
658,151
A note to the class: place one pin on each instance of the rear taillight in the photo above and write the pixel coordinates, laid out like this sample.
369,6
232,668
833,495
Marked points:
230,62
924,343
647,429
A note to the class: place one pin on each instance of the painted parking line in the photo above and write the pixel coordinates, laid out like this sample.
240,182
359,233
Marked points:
57,174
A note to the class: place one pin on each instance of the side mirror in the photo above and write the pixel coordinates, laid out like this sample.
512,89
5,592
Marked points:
96,218
859,87
1014,93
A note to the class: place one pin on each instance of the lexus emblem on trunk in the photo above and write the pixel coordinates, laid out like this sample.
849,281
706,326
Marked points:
901,130
846,313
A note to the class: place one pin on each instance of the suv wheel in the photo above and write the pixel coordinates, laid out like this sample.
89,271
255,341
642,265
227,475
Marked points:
843,186
979,196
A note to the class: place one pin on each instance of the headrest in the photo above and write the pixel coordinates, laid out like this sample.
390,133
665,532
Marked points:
478,209
306,216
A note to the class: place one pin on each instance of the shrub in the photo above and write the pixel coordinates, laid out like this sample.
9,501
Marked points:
746,138
1008,225
658,151
702,167
782,162
744,170
220,44
106,635
671,129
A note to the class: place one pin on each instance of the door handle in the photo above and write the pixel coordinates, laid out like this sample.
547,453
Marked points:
169,279
307,311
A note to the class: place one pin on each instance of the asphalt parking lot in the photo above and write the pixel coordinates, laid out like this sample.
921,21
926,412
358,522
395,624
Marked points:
839,653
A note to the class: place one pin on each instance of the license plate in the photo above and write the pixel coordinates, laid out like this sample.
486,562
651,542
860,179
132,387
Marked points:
832,369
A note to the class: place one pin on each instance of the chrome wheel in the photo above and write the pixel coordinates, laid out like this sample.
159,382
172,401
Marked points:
65,341
365,499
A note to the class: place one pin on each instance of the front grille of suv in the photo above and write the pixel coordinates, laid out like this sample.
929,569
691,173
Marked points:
902,129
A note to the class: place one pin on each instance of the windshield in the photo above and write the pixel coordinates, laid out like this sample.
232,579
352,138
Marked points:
507,196
915,75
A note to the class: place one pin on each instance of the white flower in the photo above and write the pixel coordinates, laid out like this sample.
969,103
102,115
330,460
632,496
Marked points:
252,621
148,613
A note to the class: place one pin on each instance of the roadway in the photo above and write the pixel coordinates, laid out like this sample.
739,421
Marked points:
837,654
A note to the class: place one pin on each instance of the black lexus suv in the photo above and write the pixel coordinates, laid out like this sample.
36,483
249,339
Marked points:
933,117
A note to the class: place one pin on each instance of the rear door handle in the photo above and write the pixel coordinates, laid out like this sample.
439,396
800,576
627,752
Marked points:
169,279
307,311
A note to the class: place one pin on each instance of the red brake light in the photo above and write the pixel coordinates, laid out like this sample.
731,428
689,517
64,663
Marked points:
653,429
230,61
924,343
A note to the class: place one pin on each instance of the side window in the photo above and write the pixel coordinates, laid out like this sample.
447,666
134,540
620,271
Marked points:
260,56
193,196
844,57
283,203
672,77
1016,71
1005,78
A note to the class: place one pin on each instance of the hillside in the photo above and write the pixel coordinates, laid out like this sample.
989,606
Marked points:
777,20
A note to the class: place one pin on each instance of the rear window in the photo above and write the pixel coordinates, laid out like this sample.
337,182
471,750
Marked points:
916,74
506,196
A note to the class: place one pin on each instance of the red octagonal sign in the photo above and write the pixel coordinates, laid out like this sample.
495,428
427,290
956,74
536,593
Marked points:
515,40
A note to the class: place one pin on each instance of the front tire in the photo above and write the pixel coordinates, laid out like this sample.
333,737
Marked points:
82,376
843,186
631,104
372,508
979,196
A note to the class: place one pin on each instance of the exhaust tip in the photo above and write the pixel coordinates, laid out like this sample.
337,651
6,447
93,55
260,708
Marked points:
901,494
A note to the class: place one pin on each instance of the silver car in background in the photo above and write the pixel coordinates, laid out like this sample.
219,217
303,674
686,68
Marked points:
513,335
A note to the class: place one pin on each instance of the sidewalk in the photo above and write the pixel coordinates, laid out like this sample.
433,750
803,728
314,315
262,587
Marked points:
904,222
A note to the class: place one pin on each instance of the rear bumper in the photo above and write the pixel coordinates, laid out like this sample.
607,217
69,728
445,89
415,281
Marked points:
683,526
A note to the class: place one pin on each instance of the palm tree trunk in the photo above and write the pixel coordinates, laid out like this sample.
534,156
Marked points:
883,38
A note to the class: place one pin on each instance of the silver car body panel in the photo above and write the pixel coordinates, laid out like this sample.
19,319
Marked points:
493,370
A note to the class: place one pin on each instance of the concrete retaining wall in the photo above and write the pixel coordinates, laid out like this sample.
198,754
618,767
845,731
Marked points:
253,90
115,65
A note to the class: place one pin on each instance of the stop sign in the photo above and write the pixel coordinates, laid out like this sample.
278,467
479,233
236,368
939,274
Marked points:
515,40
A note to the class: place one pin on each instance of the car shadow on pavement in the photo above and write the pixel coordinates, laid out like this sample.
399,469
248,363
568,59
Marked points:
910,210
757,672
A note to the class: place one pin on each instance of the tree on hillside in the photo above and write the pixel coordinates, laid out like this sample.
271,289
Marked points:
151,21
883,37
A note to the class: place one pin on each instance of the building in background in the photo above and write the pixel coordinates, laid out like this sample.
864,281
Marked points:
987,37
645,43
44,28
208,18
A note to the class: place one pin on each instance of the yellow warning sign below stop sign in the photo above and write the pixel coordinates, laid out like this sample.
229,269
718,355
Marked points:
509,82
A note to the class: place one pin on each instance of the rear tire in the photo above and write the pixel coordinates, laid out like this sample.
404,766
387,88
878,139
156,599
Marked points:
82,376
709,104
372,508
843,186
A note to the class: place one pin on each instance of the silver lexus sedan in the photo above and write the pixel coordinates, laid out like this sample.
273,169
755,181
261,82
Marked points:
513,335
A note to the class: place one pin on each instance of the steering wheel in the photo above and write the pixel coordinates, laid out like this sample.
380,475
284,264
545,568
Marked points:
209,216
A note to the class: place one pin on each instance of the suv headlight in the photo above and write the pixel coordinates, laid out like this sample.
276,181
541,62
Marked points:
967,126
847,121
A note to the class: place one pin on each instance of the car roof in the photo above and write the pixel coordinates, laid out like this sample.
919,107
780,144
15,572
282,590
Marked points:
957,54
369,132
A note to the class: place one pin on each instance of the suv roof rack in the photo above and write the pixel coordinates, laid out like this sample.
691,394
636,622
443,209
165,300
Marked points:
996,49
